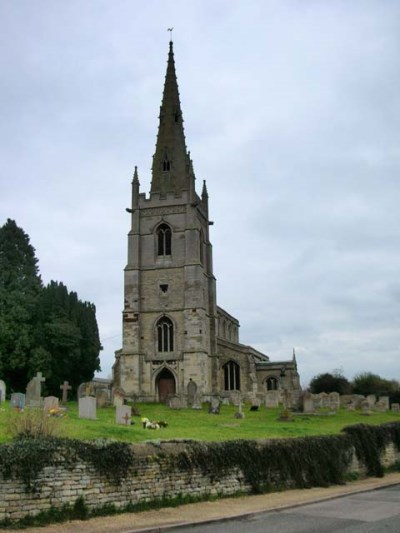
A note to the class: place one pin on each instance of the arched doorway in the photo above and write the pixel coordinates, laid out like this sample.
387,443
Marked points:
165,384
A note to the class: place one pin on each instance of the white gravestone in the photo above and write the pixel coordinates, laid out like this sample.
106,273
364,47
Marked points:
2,391
123,415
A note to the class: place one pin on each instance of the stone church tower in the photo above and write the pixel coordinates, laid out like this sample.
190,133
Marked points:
176,341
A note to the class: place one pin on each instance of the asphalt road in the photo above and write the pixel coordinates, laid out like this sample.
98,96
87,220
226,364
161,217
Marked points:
375,511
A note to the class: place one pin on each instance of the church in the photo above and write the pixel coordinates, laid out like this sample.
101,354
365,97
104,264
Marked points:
176,341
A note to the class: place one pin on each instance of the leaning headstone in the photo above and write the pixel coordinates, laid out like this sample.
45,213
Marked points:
34,391
18,400
50,402
2,391
123,415
395,406
65,387
87,407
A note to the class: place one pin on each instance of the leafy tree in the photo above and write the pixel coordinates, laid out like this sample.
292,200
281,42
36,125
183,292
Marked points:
20,287
369,383
328,382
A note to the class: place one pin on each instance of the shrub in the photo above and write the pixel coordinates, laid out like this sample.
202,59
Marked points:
32,423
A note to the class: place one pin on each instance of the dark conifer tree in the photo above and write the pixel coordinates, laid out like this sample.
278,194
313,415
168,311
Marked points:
20,288
42,329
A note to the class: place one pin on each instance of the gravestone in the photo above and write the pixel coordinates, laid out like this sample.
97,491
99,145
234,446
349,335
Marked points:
215,406
87,407
382,404
123,415
34,391
371,398
235,398
18,400
272,398
102,398
85,389
365,406
191,391
324,398
308,403
118,397
334,401
65,387
176,402
239,413
395,406
197,402
50,402
2,391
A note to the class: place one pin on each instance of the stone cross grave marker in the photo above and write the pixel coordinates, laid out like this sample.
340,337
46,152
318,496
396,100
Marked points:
2,391
65,387
87,407
123,415
18,400
34,390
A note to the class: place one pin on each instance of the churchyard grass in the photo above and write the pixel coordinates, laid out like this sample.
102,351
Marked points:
200,425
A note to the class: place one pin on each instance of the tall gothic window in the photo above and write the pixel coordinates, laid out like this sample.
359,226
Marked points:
272,383
165,335
231,376
164,240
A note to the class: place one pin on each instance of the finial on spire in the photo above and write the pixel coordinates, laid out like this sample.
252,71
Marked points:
135,175
170,33
204,193
294,354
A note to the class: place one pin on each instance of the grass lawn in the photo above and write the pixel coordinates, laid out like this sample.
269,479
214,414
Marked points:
199,425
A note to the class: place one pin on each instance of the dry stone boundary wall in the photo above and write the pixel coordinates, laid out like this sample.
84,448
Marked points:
151,478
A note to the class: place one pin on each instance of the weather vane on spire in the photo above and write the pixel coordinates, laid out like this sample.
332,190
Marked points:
170,33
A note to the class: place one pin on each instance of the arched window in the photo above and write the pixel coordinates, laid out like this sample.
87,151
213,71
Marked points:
164,240
165,335
272,383
231,376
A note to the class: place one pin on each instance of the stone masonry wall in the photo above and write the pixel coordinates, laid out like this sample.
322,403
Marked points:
151,478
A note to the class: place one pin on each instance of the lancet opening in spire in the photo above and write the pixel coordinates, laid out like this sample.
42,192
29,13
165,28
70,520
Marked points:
171,168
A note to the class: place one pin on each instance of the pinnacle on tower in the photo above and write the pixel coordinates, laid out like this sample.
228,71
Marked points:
170,171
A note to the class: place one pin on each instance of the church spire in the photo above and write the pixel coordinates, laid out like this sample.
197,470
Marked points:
170,171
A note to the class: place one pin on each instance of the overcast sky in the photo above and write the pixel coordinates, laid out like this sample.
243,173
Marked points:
292,115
